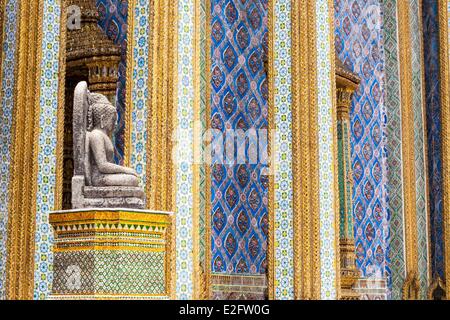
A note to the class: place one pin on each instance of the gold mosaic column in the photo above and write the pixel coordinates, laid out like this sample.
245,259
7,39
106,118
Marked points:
411,286
305,152
22,206
161,105
314,157
346,86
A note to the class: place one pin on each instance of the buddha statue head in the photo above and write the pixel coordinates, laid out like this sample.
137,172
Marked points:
102,114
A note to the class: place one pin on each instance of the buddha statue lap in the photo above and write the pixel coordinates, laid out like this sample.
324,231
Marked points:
98,182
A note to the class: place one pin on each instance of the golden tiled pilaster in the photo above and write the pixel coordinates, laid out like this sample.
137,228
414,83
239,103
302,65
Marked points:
161,105
22,206
409,176
305,153
2,19
207,281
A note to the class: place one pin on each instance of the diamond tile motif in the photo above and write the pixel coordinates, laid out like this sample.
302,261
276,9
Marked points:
238,101
393,147
419,145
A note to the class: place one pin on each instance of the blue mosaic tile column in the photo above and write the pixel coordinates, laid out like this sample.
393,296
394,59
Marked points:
6,117
433,119
239,102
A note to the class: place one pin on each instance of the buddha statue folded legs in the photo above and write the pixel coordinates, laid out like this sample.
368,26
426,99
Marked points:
98,181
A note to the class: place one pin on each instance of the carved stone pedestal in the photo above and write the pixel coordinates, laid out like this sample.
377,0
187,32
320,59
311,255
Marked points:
110,254
105,197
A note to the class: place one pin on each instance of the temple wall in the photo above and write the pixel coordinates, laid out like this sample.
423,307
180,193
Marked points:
190,252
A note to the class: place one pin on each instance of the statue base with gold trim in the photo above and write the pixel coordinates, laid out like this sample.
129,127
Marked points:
110,254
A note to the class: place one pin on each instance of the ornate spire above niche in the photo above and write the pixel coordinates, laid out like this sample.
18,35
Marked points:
90,52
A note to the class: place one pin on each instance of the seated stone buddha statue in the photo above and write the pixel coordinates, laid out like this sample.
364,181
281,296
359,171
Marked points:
99,158
98,182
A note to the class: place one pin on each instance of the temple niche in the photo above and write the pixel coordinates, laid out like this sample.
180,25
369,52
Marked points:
90,56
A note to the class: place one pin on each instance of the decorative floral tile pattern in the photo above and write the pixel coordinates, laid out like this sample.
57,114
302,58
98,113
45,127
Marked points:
419,145
394,147
6,116
394,152
184,151
283,230
139,90
328,226
46,179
